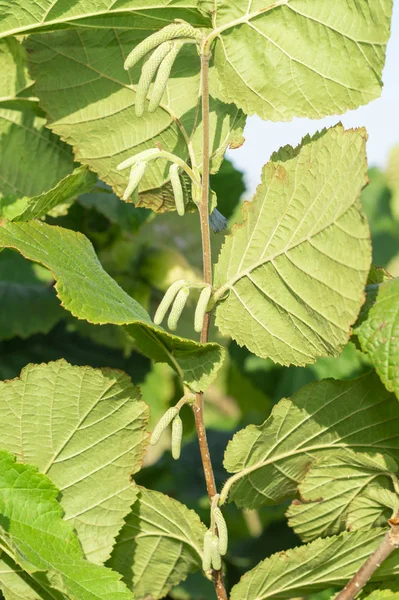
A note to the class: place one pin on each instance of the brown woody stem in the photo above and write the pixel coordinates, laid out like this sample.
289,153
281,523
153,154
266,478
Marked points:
364,574
207,268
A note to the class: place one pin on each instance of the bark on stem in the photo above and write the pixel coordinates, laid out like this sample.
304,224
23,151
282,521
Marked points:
207,269
364,574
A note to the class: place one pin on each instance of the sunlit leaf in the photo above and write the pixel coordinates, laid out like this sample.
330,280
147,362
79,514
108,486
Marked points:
322,564
37,538
90,99
160,544
299,58
86,429
332,485
294,271
89,293
271,460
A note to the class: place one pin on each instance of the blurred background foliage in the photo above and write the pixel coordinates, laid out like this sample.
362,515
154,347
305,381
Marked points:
145,253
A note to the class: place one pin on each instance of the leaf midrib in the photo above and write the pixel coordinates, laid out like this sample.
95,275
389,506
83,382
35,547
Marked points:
42,23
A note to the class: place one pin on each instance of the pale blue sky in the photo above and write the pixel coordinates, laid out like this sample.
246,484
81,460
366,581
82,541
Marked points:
381,118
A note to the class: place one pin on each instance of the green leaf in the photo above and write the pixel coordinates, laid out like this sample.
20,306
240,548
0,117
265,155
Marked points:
17,585
332,485
28,300
32,159
80,181
86,429
89,293
317,566
22,16
296,268
14,77
272,459
160,544
378,331
90,98
374,507
39,540
299,58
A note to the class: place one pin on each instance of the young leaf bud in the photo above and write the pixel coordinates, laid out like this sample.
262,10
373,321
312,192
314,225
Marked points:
217,221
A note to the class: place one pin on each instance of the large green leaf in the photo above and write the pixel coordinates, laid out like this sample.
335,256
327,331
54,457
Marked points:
28,301
37,538
378,331
86,429
32,159
90,98
272,459
89,293
296,268
160,544
332,485
22,16
318,566
297,58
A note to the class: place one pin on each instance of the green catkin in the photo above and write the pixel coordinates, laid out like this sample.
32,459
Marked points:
163,424
215,554
206,557
163,75
140,157
177,189
177,436
149,69
167,300
136,175
171,32
200,311
177,308
222,530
